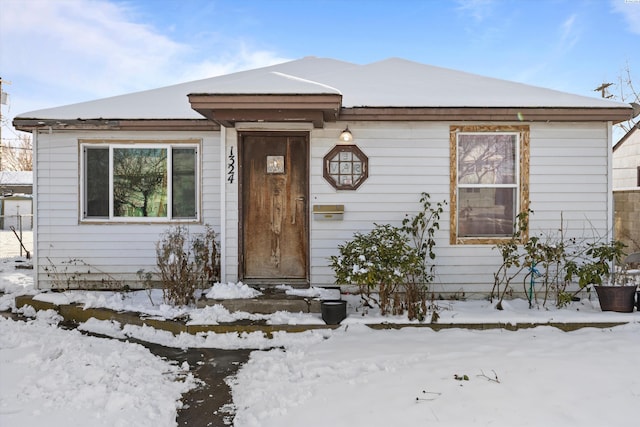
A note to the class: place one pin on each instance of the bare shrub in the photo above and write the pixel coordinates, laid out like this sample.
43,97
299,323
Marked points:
187,262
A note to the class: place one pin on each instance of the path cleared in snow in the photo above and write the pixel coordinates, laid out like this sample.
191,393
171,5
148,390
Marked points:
57,377
350,376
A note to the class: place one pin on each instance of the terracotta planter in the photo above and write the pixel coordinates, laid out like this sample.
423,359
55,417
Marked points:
616,298
333,311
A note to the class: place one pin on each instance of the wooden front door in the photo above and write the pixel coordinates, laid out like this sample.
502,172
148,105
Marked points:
274,215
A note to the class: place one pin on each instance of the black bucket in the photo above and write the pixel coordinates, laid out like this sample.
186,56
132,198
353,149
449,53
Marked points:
334,311
616,298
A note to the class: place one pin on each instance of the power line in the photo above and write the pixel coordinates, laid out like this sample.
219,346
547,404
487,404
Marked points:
11,147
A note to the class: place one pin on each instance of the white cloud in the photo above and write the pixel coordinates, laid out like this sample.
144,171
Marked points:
82,43
569,35
479,10
65,51
241,59
630,10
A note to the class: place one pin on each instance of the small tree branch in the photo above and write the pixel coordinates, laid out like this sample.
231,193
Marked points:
494,379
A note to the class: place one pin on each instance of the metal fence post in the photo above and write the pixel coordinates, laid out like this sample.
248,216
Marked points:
20,228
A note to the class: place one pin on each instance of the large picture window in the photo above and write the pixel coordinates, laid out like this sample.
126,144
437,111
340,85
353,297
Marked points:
489,181
150,181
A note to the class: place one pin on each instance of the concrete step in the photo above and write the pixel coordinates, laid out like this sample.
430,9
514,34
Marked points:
272,300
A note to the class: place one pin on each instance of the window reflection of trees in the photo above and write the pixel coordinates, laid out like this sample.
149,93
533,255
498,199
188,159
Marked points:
486,159
139,182
486,179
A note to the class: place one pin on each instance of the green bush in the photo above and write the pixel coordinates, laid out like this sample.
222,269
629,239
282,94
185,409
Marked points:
553,262
381,259
392,261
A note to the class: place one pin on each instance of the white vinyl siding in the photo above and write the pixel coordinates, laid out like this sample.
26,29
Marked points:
105,250
568,179
626,163
406,159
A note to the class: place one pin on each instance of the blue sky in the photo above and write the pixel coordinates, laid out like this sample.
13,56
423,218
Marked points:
57,52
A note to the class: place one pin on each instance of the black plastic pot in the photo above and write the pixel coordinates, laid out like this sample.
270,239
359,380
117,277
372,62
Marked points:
616,298
334,311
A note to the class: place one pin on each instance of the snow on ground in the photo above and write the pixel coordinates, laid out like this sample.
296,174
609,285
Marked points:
449,311
362,377
56,377
10,245
232,290
350,376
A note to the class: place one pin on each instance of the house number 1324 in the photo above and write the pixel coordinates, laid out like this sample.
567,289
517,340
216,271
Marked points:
231,166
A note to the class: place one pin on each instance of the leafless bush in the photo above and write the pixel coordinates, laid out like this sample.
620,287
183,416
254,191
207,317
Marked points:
187,262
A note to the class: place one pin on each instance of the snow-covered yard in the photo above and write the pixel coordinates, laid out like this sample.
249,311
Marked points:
55,377
352,376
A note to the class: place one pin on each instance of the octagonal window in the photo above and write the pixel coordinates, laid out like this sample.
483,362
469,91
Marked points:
345,167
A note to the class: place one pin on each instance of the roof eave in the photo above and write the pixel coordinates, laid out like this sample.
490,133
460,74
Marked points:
228,109
35,124
521,114
634,128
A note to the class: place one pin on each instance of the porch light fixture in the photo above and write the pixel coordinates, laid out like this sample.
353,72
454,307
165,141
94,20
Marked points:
346,136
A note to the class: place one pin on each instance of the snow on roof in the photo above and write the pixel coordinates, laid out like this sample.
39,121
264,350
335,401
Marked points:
398,82
392,82
16,177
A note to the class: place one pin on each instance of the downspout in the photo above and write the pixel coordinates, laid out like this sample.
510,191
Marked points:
34,207
223,205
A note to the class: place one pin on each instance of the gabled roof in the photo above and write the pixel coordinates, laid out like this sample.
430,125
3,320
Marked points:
171,102
380,89
634,129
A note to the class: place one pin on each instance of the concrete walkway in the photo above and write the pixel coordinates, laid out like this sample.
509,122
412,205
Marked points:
76,313
209,404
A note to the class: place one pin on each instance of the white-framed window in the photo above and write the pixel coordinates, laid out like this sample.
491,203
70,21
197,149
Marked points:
489,185
139,181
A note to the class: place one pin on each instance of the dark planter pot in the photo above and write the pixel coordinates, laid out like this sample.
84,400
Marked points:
334,311
616,298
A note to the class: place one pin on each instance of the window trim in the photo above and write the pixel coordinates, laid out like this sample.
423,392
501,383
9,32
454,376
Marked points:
522,198
169,145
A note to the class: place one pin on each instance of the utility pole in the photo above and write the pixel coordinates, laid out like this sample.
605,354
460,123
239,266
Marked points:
603,90
3,101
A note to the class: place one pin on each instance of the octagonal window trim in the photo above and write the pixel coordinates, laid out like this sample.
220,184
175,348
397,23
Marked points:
346,167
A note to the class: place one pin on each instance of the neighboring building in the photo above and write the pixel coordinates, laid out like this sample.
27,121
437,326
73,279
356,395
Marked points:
16,212
20,182
15,200
626,189
256,155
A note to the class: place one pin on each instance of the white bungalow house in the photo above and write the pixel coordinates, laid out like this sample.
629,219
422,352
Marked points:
257,155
